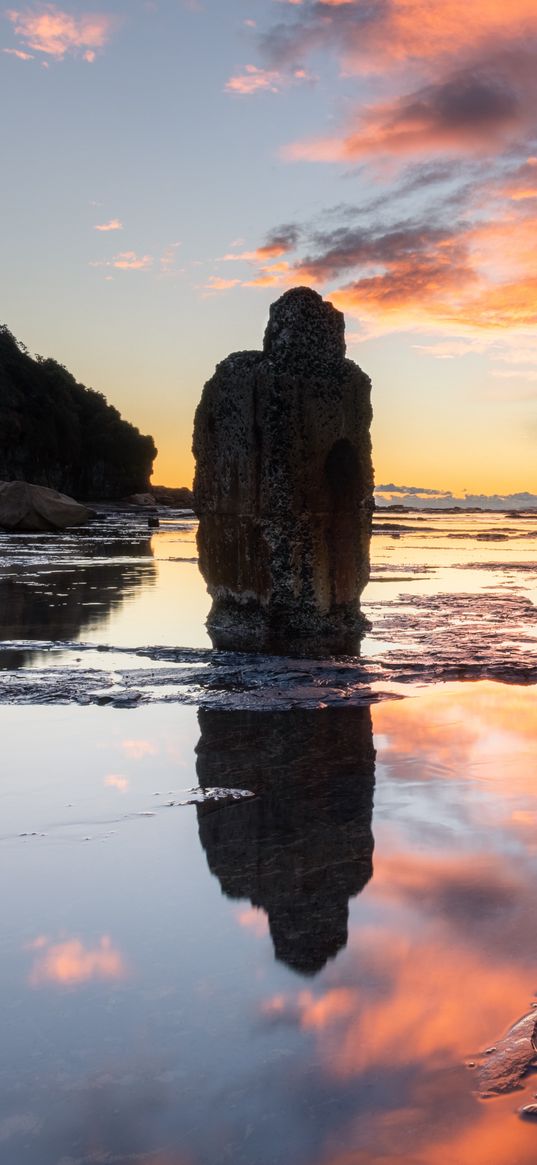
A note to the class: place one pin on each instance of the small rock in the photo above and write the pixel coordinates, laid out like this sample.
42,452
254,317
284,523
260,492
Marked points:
502,1067
529,1110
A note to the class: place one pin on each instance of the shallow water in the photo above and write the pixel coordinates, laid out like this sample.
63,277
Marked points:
95,616
303,975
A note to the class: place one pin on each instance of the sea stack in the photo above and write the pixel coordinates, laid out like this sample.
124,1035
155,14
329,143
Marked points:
284,487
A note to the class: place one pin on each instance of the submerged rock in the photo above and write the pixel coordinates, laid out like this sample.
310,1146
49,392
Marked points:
284,486
34,508
501,1068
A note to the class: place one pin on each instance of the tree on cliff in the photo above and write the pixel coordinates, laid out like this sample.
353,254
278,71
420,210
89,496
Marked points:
56,432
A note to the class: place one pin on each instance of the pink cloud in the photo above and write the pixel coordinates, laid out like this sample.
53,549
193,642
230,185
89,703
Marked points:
19,54
113,225
254,80
47,29
371,37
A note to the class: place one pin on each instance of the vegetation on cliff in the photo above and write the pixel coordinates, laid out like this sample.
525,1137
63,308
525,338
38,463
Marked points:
56,432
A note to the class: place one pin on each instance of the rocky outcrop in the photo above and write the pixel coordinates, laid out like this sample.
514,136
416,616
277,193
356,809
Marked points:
35,509
57,433
176,497
284,486
303,845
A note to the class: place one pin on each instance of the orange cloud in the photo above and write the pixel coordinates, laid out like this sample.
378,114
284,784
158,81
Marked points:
47,29
369,37
445,730
465,280
113,225
466,112
426,1011
216,283
70,963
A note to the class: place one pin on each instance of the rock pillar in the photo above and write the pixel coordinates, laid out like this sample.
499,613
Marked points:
284,486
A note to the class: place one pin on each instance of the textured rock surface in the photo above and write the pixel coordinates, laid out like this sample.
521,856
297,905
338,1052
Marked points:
303,845
283,486
502,1068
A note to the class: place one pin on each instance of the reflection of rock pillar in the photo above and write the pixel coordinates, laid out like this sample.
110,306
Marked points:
283,485
304,845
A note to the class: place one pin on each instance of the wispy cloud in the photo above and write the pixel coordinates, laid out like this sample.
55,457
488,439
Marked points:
412,489
216,283
113,225
22,56
168,259
256,80
47,29
126,261
426,498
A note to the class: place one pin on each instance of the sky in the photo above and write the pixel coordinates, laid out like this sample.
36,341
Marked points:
170,167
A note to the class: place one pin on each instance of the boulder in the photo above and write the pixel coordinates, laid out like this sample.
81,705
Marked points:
35,508
284,486
143,501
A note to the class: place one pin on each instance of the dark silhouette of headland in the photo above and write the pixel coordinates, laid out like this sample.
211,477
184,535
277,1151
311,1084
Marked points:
303,845
284,486
57,433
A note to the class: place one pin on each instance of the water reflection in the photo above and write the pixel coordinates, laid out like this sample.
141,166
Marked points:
304,845
183,1041
63,600
71,962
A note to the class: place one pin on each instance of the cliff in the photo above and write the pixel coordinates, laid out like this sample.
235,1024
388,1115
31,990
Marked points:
56,432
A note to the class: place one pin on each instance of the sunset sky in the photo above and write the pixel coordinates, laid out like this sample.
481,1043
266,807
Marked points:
169,167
